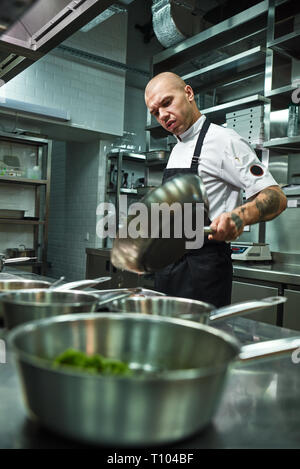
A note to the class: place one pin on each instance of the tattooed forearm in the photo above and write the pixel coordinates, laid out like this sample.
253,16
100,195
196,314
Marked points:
269,205
237,220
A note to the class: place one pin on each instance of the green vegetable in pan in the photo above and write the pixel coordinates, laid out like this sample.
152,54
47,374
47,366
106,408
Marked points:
95,364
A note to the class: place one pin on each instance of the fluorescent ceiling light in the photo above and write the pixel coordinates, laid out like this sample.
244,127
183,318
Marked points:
112,10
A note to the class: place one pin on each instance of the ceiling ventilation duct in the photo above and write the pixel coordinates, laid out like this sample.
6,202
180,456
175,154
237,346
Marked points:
113,10
175,20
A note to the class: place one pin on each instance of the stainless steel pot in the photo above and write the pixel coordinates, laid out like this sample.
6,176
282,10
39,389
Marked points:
27,305
149,254
193,310
19,284
180,366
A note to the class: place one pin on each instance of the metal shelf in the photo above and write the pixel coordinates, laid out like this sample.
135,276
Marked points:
157,131
21,221
123,191
19,180
227,70
217,113
281,97
288,44
290,144
127,155
226,32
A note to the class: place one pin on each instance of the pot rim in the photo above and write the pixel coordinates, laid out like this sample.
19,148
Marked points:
93,298
168,375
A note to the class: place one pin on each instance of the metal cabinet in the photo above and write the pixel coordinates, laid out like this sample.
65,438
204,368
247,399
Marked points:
243,291
291,317
98,265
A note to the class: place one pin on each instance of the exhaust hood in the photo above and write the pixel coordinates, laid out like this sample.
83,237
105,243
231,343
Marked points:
29,29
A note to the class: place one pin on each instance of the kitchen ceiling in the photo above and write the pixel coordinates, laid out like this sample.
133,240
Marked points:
41,28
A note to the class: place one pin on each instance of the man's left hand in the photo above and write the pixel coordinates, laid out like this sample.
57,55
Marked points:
227,227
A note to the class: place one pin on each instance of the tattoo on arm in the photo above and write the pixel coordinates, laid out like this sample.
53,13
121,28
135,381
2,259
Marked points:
237,221
270,205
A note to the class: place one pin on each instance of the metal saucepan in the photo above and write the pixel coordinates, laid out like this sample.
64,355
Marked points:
180,366
27,305
18,284
193,310
149,254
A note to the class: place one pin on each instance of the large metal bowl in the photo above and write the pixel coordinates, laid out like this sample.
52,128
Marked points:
148,252
180,375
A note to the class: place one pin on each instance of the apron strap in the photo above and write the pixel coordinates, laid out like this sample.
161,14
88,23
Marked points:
198,147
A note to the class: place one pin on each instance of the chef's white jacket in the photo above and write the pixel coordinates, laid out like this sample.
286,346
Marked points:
227,166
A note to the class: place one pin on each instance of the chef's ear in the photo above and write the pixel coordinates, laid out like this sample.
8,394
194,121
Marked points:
189,92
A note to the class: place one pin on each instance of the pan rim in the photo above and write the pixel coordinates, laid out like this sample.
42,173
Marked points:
168,375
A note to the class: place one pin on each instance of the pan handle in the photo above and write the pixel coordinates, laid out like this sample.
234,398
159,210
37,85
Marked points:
238,309
271,349
81,283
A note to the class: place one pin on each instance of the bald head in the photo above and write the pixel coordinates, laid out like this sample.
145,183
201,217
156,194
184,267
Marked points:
171,101
165,79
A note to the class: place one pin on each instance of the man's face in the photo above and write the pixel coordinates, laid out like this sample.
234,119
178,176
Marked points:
171,105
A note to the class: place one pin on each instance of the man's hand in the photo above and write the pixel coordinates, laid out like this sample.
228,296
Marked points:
266,205
227,227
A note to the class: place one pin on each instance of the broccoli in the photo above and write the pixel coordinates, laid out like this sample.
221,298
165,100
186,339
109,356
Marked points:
94,364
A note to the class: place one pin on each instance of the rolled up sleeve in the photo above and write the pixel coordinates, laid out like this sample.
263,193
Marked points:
242,168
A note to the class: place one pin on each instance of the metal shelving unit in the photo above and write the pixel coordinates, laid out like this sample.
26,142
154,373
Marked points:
222,72
290,144
41,188
251,46
239,39
120,156
285,44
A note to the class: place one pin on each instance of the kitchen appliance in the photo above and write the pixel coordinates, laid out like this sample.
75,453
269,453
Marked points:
179,375
148,253
250,251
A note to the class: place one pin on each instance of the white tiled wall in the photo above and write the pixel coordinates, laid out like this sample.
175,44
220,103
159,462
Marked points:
57,210
136,115
73,203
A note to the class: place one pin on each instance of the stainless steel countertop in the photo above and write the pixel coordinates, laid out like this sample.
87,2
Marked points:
260,398
275,272
260,407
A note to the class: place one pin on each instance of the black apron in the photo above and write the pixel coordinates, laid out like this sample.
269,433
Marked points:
201,274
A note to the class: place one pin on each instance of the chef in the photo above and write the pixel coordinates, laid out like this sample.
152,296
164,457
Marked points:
227,164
